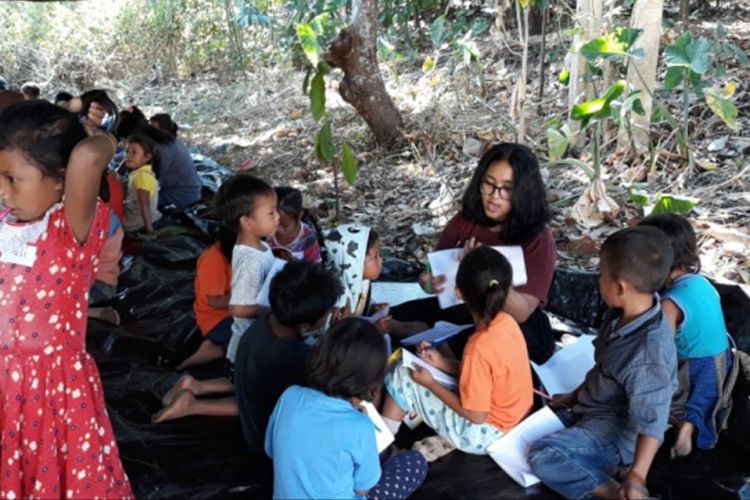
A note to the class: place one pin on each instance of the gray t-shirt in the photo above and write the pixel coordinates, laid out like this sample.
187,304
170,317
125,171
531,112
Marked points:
179,184
250,267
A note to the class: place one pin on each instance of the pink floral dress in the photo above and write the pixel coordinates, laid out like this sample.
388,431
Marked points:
55,436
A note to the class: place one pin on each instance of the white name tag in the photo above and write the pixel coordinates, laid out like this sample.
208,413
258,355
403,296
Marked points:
24,255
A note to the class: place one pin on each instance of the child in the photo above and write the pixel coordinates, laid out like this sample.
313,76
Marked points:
56,437
270,356
693,309
143,189
619,413
321,445
30,91
294,238
356,258
213,280
247,205
495,389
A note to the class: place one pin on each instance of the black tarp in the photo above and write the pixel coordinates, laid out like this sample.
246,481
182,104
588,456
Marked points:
206,457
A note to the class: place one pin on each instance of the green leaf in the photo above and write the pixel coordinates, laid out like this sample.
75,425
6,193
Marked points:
614,45
324,149
386,50
632,104
599,108
738,53
670,203
428,64
308,39
640,197
437,32
688,52
349,164
558,140
723,107
564,77
674,77
318,95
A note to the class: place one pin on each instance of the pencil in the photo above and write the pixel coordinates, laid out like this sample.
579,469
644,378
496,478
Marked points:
542,395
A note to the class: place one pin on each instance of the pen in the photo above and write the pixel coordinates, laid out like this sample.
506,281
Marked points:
4,213
542,395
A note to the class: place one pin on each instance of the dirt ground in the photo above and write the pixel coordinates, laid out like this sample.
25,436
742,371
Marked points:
261,121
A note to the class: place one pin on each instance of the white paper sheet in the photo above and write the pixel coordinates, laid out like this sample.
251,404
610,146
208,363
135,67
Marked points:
393,293
446,262
410,360
262,299
438,334
383,435
511,452
567,368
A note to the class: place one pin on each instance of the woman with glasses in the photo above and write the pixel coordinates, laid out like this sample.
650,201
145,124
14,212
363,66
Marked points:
505,204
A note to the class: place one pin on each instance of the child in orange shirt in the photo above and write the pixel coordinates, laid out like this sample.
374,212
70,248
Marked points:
213,283
494,377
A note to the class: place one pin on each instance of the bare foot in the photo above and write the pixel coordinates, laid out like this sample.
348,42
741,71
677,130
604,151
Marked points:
185,383
106,314
178,408
683,445
207,351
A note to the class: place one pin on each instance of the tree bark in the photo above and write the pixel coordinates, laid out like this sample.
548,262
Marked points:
647,16
589,18
355,52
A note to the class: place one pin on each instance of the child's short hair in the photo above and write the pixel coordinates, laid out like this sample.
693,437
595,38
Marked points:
31,90
302,293
484,278
149,147
45,133
63,97
681,236
530,211
349,361
640,255
289,201
372,238
165,123
237,197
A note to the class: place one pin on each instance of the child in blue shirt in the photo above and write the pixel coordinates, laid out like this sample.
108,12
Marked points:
321,442
693,308
618,415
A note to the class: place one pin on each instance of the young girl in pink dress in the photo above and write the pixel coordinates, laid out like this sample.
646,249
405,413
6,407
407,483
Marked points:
56,437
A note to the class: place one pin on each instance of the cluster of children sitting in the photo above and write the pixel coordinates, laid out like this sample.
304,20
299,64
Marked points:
303,361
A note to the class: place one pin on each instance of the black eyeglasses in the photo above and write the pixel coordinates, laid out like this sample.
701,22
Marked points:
489,189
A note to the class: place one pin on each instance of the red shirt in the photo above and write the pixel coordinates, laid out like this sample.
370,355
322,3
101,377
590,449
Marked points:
116,196
539,252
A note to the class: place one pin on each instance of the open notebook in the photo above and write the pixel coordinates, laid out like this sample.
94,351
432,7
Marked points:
567,368
383,435
511,452
445,262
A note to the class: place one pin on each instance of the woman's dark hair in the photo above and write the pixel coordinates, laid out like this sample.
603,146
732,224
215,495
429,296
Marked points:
484,278
682,237
133,121
166,124
529,210
350,360
372,238
289,201
227,239
46,134
302,293
237,197
149,147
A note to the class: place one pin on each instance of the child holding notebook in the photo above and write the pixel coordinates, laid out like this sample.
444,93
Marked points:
495,388
617,417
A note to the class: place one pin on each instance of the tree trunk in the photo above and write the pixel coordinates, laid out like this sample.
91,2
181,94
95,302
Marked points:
642,72
354,51
589,18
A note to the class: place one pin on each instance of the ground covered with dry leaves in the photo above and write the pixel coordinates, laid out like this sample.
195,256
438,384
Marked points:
261,121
